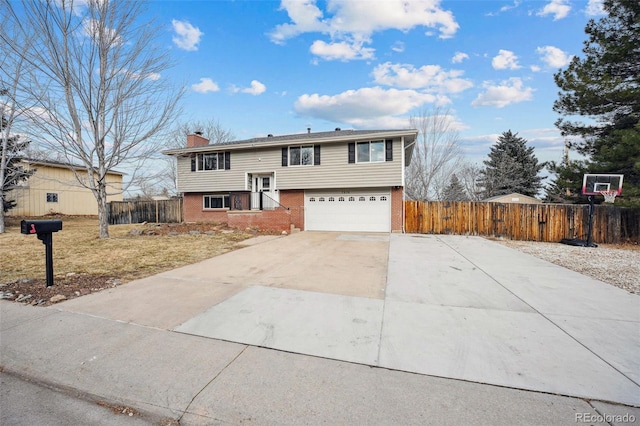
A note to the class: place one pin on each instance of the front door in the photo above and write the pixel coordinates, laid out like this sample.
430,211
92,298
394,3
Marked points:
263,183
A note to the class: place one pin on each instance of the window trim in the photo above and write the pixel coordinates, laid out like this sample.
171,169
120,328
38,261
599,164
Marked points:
223,161
301,147
315,155
370,144
226,198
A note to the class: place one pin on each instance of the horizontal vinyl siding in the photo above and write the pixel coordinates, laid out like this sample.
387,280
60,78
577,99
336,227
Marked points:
333,172
73,199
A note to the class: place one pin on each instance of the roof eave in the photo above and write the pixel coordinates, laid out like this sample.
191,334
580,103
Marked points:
303,138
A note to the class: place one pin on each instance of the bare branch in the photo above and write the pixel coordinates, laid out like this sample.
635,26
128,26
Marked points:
436,156
96,93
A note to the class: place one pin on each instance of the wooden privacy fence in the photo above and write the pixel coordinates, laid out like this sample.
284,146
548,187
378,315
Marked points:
532,222
158,211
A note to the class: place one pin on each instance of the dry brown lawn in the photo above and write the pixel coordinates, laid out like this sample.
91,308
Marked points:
78,250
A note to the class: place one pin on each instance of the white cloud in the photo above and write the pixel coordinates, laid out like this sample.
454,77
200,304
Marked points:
506,8
505,59
594,8
153,76
428,77
187,36
508,92
459,57
535,68
553,57
206,85
91,28
305,17
356,21
362,105
343,51
398,47
255,89
558,8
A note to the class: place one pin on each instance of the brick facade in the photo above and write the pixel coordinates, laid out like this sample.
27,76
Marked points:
295,201
279,219
397,209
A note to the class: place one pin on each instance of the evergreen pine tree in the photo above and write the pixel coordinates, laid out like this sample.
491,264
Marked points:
604,86
14,173
454,191
511,167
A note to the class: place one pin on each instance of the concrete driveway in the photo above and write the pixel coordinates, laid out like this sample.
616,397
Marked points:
448,306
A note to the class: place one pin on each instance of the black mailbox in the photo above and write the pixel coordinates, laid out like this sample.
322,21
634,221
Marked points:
44,229
40,226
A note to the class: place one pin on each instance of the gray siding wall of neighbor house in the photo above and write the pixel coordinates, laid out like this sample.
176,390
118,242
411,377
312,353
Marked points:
334,171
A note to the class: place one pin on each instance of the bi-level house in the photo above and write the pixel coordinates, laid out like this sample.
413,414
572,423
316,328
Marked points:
343,180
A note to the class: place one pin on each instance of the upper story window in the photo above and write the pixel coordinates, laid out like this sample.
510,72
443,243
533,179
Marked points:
301,155
211,161
370,152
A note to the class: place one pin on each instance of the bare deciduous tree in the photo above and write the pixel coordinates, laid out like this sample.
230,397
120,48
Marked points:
436,156
470,176
210,129
97,92
12,71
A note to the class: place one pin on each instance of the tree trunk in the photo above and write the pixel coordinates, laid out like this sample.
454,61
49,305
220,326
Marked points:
103,218
3,174
2,228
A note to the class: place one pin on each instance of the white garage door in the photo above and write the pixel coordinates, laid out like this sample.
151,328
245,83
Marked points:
347,210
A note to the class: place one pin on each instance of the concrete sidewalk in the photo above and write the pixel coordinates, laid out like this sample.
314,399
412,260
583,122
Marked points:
206,381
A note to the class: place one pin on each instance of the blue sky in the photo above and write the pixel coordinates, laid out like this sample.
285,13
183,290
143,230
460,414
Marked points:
263,67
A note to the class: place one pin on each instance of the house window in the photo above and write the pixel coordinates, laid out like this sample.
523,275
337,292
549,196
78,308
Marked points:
301,155
216,202
52,197
370,152
213,161
383,198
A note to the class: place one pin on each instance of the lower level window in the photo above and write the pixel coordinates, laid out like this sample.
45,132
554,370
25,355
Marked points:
52,197
216,202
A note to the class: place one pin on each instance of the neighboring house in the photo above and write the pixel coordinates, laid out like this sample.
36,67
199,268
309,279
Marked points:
345,180
514,197
53,188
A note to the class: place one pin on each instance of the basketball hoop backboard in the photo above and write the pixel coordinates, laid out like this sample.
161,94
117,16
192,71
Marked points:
594,184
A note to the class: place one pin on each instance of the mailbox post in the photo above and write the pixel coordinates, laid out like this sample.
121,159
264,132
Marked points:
44,229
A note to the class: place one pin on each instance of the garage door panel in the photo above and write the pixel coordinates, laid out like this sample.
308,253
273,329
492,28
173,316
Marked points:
363,211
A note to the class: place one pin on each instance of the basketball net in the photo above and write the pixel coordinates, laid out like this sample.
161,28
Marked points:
609,196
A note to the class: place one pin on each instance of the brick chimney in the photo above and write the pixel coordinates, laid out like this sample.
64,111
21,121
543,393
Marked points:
196,139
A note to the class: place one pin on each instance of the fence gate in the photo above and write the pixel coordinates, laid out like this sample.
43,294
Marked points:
498,215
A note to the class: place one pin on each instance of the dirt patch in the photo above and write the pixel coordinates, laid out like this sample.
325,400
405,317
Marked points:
35,292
